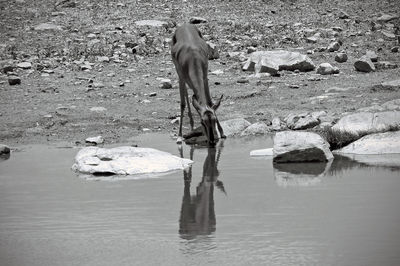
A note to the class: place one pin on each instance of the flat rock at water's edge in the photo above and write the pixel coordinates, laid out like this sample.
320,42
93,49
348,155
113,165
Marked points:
126,160
380,143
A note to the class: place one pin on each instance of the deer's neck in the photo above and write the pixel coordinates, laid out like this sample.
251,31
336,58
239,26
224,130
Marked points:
203,97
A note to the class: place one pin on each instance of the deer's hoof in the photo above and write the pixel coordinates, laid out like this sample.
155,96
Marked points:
179,140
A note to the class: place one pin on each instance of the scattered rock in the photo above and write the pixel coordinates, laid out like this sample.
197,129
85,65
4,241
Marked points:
314,38
277,124
103,59
8,69
243,80
395,49
341,57
380,143
327,69
274,61
259,128
126,161
388,34
14,80
385,65
301,121
197,20
368,122
371,55
151,23
212,51
263,152
98,109
4,149
165,84
364,64
333,47
343,15
234,126
386,18
291,146
336,89
24,65
95,140
47,26
391,85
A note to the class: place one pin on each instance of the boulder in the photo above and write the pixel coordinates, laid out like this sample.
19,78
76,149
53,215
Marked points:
368,122
379,143
263,152
301,121
290,146
364,64
341,57
234,126
126,160
259,128
274,61
151,23
276,124
327,69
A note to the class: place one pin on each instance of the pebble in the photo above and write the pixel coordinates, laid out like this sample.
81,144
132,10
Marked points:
327,69
24,65
165,84
14,80
341,57
333,47
98,109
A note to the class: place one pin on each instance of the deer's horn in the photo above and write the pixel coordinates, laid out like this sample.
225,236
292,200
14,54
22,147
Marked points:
216,105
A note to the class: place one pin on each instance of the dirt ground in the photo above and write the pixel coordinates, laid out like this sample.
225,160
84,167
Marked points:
54,100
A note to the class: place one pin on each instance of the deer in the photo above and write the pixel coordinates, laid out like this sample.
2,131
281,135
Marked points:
189,53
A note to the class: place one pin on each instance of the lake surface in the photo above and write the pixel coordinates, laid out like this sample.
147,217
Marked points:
237,211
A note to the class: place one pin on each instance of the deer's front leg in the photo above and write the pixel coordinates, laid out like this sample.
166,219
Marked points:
221,131
182,91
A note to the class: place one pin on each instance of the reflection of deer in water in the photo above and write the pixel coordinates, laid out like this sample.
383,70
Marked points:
197,211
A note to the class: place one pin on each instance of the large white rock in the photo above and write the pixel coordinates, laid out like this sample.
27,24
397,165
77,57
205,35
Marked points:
273,61
380,143
234,126
292,146
126,160
367,122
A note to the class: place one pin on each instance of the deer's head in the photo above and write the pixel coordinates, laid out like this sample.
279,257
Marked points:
208,120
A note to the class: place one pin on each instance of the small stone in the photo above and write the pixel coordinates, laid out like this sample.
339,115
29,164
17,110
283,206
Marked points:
24,65
385,65
364,64
333,47
341,57
212,51
8,69
343,15
98,85
4,149
371,55
103,59
14,80
153,94
47,26
395,49
165,84
95,140
388,35
327,69
197,20
243,80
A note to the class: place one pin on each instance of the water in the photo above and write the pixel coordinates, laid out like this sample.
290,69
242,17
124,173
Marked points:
239,211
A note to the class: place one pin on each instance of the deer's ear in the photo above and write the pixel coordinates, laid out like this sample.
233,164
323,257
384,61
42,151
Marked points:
217,104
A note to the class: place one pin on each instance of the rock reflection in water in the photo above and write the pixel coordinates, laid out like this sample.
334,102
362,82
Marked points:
4,157
300,174
197,217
